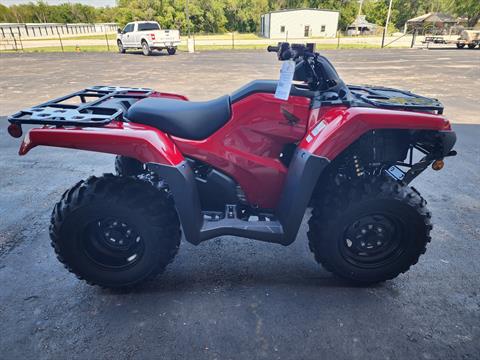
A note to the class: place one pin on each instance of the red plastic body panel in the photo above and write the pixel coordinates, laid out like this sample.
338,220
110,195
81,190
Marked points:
342,126
168,95
248,146
138,141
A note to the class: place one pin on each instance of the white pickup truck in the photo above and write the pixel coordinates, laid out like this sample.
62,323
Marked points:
148,36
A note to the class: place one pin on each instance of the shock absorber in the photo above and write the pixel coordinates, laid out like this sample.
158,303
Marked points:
359,170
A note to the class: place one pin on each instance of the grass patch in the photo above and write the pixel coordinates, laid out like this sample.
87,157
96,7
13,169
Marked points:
53,49
113,48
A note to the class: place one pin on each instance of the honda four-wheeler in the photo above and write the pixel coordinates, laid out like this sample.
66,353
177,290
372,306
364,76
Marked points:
248,164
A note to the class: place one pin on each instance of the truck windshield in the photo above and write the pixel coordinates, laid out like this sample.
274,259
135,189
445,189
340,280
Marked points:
148,26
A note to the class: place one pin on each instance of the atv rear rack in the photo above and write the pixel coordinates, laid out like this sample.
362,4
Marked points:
395,99
94,106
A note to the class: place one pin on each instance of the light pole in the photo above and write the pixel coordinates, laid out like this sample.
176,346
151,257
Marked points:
386,23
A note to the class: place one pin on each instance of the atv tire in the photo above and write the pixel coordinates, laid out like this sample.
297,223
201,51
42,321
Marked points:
115,231
126,166
369,231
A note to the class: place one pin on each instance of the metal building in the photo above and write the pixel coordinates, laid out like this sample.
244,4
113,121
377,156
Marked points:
299,23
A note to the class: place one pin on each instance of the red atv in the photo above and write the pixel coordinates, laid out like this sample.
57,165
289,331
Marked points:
247,164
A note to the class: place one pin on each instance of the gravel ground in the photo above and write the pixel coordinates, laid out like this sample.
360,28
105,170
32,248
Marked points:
232,298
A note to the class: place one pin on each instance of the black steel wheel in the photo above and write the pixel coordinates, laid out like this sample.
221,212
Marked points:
370,230
112,243
171,51
115,231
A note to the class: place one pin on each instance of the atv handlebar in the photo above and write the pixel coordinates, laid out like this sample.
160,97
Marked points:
296,52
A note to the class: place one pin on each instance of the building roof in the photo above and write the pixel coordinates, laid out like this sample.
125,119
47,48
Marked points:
432,18
361,22
312,9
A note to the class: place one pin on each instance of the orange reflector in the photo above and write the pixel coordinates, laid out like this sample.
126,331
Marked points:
438,165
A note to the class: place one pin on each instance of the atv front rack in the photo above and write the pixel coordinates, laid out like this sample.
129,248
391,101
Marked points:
94,106
395,99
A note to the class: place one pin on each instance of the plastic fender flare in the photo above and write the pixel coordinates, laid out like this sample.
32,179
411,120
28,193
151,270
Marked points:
141,142
303,173
182,185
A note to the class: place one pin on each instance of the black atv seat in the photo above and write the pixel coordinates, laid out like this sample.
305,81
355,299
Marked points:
185,119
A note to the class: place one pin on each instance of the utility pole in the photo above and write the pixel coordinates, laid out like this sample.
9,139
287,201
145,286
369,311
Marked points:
360,8
188,19
190,43
386,23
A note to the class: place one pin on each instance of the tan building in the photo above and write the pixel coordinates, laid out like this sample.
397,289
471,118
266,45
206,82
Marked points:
299,23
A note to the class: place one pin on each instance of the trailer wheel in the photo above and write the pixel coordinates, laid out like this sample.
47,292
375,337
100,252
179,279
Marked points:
460,46
369,231
471,46
171,51
115,231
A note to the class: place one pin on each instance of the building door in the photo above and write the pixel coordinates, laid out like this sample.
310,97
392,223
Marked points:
307,31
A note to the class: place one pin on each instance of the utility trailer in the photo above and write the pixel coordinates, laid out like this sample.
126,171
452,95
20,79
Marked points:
469,38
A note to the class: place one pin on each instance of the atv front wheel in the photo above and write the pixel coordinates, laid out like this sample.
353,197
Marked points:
126,166
370,231
115,231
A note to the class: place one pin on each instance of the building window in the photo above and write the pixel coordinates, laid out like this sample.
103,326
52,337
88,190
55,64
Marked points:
282,29
323,28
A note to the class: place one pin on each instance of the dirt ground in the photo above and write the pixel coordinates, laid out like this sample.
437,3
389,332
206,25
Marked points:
232,298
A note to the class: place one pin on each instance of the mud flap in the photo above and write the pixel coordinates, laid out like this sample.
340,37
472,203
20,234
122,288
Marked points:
181,182
303,173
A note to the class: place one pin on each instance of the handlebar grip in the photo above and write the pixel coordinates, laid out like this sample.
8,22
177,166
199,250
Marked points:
271,48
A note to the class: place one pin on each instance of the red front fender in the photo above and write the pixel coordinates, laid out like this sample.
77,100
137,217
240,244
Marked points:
137,141
333,129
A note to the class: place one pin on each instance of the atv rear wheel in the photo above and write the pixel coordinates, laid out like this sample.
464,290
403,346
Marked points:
370,231
126,166
115,231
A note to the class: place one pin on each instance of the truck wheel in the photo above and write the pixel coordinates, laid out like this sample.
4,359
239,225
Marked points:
121,49
171,51
126,166
471,46
146,49
460,46
369,232
115,231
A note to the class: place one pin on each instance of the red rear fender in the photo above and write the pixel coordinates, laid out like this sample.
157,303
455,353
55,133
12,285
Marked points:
140,142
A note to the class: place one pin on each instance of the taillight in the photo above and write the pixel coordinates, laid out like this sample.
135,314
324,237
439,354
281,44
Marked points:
152,36
15,130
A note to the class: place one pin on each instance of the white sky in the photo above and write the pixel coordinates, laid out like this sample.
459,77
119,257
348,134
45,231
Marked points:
97,3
